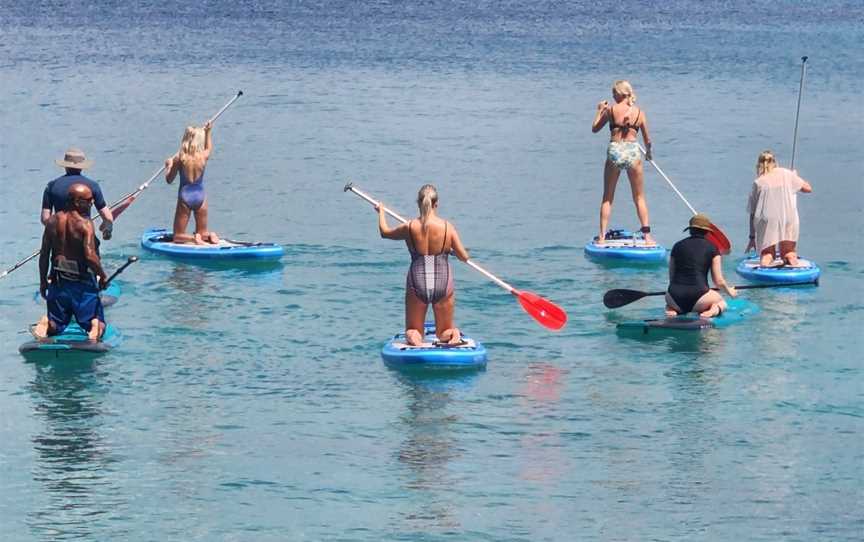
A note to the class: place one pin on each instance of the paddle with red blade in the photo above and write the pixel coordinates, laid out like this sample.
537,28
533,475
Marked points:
715,236
545,312
123,203
622,296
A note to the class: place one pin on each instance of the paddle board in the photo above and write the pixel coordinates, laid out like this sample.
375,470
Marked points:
71,344
398,354
159,240
751,270
737,310
627,246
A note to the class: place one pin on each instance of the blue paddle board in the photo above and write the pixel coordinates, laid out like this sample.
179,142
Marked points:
751,270
398,354
737,310
71,344
160,241
625,246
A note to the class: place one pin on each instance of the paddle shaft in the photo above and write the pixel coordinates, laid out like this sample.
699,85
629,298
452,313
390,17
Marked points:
752,286
668,180
398,217
130,261
133,194
798,111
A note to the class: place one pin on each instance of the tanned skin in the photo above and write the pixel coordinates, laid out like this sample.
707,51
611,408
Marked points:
69,234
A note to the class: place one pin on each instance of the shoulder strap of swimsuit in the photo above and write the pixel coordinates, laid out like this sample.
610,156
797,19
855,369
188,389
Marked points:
410,238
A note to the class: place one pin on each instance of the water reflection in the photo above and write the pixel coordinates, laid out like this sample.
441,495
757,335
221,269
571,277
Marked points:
430,445
72,458
542,460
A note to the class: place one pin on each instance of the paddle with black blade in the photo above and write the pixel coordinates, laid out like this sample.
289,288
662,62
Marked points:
545,312
716,236
620,297
123,203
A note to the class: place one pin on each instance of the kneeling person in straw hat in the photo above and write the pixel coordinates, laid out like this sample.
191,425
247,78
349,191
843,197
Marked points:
56,195
69,245
689,262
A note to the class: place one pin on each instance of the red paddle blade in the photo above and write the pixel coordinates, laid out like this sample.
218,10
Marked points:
546,313
719,240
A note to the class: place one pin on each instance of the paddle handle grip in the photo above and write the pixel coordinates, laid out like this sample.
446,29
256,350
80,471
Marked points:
668,180
226,106
375,203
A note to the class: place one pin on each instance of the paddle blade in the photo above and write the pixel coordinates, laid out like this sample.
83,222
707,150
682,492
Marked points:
546,313
620,297
719,240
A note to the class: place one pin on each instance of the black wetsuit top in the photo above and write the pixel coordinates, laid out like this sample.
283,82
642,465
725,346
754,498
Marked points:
692,257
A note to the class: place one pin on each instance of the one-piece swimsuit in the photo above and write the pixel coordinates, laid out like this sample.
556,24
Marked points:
430,277
191,193
692,257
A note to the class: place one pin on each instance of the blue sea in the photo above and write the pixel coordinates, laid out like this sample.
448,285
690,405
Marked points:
251,403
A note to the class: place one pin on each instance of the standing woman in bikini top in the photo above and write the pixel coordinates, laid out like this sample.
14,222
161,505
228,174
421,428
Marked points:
625,121
189,162
429,239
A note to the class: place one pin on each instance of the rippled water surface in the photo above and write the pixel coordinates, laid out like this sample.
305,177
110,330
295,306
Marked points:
251,403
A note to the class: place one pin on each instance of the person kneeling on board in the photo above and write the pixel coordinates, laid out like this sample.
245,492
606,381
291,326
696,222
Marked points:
430,239
69,244
689,262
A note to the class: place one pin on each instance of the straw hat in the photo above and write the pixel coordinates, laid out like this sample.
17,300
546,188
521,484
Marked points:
700,222
74,159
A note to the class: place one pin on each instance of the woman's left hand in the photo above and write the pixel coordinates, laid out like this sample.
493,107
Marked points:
208,126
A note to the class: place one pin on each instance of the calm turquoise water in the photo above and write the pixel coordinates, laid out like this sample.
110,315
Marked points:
251,404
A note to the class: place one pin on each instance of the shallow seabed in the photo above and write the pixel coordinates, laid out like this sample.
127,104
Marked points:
252,404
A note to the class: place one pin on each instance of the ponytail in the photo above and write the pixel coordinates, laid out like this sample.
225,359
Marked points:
765,163
427,197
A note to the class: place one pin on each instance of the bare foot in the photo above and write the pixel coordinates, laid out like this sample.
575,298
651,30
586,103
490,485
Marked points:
600,240
199,240
649,240
792,260
712,312
671,313
213,238
41,329
413,337
94,333
451,336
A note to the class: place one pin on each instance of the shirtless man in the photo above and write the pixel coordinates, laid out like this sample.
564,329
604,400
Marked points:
69,244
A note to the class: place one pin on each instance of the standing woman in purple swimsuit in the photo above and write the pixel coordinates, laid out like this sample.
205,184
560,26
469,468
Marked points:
189,162
625,120
430,239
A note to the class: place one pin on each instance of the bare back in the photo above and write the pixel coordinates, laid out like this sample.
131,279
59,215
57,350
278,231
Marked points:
432,241
70,236
625,122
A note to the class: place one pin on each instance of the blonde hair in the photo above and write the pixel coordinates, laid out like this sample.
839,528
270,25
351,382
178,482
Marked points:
765,163
192,142
624,88
427,197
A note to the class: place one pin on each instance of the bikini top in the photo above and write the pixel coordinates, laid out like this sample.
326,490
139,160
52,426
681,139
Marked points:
412,249
624,127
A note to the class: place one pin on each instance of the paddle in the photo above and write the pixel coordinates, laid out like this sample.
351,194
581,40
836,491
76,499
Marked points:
129,261
545,312
798,111
123,203
618,298
716,236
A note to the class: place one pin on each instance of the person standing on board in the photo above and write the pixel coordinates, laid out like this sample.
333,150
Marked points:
56,195
773,211
189,162
625,120
689,262
430,239
69,246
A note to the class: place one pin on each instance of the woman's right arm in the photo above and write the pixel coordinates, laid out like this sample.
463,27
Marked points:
457,247
717,276
602,116
400,232
208,139
172,164
805,186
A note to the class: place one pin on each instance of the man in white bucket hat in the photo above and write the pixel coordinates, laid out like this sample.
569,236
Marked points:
56,195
